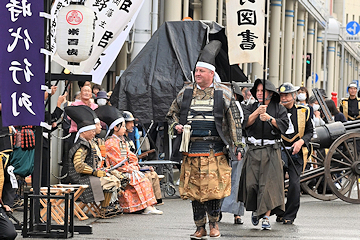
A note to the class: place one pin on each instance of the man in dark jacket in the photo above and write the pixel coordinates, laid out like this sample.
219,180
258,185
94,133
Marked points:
296,141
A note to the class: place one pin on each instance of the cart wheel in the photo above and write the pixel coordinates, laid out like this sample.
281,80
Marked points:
342,167
170,190
315,183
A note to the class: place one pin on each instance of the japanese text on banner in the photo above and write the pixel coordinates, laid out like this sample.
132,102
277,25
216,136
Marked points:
245,27
22,71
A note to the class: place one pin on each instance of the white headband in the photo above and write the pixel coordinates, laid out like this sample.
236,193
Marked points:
114,123
352,85
84,129
205,65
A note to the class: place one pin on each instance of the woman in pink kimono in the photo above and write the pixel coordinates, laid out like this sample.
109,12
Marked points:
138,194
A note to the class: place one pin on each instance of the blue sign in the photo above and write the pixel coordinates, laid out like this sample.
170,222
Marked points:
353,28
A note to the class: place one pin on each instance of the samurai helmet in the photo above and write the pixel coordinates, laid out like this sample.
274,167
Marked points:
287,88
128,116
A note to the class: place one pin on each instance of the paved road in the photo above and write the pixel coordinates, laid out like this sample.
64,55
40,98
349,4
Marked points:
316,220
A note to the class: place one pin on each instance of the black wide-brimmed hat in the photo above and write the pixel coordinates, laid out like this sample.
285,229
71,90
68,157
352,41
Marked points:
83,116
268,86
110,115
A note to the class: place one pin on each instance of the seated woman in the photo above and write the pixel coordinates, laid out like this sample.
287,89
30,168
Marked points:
138,194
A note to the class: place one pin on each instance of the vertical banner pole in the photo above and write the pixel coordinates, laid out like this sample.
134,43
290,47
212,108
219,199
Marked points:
264,64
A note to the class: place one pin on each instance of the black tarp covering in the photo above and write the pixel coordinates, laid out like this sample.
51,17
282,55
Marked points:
152,80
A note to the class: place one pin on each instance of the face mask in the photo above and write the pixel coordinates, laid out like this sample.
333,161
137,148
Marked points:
301,96
316,107
101,102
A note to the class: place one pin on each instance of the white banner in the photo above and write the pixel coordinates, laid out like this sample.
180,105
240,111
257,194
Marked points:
107,58
113,19
245,30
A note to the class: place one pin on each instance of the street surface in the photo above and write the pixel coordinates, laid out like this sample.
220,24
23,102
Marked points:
316,220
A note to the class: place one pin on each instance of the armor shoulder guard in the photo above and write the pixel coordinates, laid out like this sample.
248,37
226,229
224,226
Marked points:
343,100
305,109
227,94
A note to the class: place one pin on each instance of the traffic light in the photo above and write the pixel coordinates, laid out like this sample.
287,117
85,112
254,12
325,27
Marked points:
308,65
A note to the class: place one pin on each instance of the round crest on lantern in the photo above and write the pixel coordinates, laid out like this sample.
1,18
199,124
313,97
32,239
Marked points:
75,33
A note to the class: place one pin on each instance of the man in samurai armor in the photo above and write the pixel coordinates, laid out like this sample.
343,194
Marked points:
261,185
297,145
202,113
84,162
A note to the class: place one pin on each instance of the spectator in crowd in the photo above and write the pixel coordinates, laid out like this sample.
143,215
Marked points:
248,97
336,115
318,121
101,98
323,93
95,89
303,99
84,83
350,106
138,194
262,184
303,96
85,96
77,96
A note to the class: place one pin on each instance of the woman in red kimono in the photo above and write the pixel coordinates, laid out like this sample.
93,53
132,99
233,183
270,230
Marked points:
138,194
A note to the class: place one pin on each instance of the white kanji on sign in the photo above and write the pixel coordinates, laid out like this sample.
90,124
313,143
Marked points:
17,36
15,8
24,100
27,72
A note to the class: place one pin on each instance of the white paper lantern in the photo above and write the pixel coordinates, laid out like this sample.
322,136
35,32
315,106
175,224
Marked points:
75,33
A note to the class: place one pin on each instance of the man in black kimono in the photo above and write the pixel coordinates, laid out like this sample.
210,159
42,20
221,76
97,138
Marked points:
261,184
296,140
